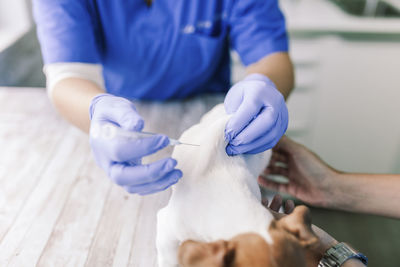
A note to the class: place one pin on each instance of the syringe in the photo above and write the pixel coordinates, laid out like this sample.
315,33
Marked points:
110,131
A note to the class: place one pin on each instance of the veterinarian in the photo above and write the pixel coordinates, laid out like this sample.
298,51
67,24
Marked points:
100,53
313,181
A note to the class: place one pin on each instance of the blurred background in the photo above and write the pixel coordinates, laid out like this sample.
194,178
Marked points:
20,58
345,105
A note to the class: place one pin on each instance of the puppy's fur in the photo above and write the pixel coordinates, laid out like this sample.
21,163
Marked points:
295,245
218,196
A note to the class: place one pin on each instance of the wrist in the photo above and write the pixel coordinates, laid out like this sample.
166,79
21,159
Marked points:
331,189
339,194
324,191
353,263
270,86
326,241
259,77
340,254
93,103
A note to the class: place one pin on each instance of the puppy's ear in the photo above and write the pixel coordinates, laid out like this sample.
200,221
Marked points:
229,257
223,254
298,223
214,254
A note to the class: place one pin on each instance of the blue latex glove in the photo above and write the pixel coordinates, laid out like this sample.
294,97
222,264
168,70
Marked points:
121,157
260,116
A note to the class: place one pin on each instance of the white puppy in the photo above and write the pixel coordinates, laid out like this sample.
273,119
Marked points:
218,196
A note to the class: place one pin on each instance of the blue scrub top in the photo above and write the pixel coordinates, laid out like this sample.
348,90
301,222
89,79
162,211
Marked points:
173,49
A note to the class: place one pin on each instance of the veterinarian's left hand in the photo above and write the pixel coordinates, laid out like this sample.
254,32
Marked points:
260,116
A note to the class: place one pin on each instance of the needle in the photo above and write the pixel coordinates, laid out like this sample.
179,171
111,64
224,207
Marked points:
110,131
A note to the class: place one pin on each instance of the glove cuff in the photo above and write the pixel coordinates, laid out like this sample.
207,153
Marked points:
259,77
93,103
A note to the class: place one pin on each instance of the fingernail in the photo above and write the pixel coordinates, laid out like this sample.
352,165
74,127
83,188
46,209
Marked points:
172,163
229,151
139,125
179,175
166,141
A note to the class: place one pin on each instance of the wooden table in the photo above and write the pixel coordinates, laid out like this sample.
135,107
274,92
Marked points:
57,208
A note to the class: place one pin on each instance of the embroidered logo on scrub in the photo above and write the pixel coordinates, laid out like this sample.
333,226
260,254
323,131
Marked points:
206,27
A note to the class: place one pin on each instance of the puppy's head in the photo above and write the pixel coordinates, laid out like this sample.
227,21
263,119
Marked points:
292,239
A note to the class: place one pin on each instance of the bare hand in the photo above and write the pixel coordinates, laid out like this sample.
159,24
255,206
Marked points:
309,178
276,204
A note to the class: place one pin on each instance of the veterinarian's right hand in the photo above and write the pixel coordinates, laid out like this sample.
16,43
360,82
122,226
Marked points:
121,157
310,179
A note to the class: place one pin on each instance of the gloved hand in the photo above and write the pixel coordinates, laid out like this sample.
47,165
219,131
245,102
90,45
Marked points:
121,157
260,116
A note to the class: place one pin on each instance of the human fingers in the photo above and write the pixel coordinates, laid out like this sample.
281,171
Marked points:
263,124
258,146
289,206
276,203
126,175
264,142
234,98
264,202
246,112
162,184
117,110
253,148
278,157
276,160
275,211
276,170
122,149
278,187
286,146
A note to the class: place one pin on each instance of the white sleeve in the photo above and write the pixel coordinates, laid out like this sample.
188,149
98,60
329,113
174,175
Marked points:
55,72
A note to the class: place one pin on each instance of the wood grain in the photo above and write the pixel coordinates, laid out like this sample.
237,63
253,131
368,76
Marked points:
57,207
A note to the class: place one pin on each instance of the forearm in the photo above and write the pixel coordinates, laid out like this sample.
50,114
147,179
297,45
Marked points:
326,242
71,97
277,67
353,263
377,194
